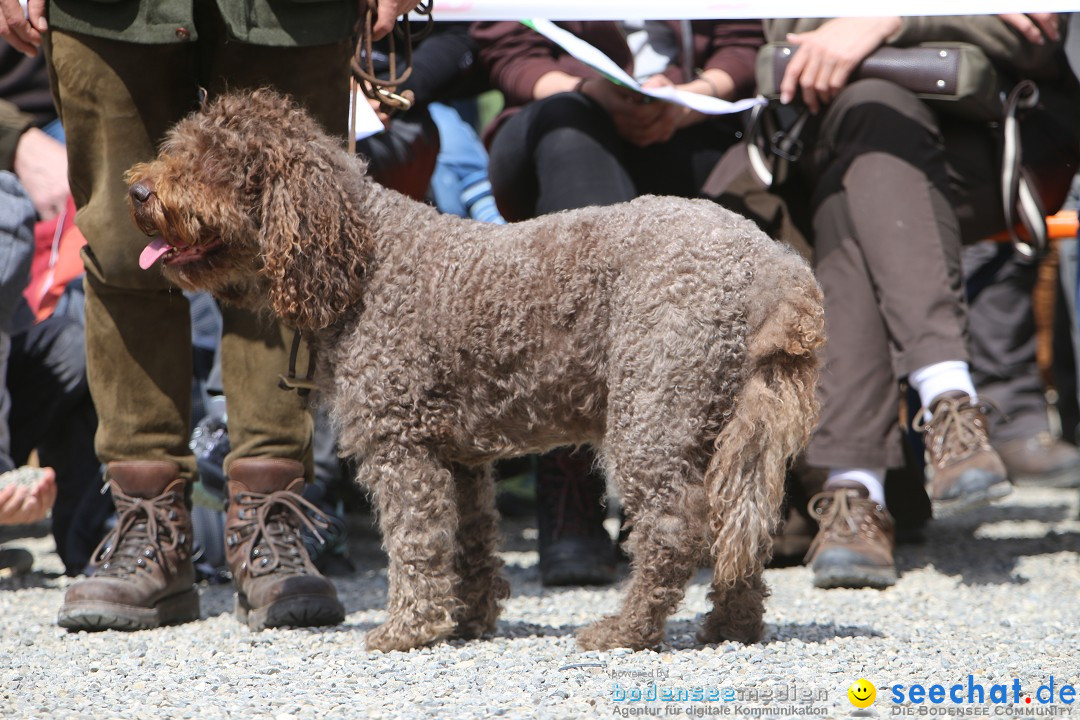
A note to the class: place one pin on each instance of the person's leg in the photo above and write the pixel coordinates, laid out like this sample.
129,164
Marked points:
556,154
270,431
681,165
53,414
403,157
116,101
561,153
460,184
1000,285
17,217
858,435
880,157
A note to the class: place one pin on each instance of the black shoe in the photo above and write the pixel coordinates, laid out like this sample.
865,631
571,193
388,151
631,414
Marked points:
575,549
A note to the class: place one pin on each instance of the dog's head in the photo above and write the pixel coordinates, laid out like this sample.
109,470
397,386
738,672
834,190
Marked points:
251,200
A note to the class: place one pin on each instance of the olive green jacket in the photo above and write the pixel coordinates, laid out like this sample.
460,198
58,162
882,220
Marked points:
286,23
1004,46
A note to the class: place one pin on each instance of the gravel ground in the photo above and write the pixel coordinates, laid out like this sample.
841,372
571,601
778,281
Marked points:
995,595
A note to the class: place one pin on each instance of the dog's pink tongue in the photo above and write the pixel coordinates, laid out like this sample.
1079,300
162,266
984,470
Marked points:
152,252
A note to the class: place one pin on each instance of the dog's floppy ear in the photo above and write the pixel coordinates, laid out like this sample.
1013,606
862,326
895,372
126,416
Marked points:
315,242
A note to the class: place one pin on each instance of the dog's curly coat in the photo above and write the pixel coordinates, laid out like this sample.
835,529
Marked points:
671,334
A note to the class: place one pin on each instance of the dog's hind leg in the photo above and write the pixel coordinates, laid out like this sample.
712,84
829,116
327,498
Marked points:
666,544
773,414
737,612
481,583
418,517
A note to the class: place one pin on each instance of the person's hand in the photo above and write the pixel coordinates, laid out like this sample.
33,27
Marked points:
22,505
638,119
1036,27
41,166
389,12
22,28
826,57
380,111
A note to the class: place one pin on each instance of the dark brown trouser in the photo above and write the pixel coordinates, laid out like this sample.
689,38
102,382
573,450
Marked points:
894,190
116,101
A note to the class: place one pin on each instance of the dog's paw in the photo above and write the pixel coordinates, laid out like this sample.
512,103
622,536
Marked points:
611,633
721,629
397,635
478,611
473,629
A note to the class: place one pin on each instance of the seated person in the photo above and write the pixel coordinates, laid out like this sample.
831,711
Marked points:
568,138
896,186
45,400
1000,284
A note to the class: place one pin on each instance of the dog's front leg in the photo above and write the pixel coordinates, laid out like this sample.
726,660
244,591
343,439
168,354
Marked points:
414,496
478,566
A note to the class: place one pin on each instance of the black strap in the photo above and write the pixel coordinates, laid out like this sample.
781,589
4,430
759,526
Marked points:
771,151
302,387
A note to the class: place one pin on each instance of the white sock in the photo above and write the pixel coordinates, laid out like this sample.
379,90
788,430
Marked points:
932,380
873,479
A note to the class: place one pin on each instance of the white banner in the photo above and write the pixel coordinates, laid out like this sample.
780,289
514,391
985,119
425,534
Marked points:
714,9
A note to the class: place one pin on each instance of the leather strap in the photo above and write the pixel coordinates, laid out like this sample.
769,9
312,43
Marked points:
302,387
1020,201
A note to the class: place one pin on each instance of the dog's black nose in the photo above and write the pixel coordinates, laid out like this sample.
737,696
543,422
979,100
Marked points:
139,192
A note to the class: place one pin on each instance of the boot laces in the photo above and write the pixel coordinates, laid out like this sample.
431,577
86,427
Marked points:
954,431
272,519
145,531
840,521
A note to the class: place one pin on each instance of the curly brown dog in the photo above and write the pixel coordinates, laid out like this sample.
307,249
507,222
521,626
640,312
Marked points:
671,334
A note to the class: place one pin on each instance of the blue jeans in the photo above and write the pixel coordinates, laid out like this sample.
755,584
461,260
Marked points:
460,182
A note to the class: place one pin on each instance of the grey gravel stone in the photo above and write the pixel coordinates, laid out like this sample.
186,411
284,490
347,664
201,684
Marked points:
995,595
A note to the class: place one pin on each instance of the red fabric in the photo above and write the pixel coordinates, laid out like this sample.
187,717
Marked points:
49,275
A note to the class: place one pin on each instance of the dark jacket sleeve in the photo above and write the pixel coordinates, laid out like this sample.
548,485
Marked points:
516,56
445,65
1006,47
731,46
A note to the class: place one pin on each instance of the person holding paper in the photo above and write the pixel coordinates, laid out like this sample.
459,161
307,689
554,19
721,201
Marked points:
569,138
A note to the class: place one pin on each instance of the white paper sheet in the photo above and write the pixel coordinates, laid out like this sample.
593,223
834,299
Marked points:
600,62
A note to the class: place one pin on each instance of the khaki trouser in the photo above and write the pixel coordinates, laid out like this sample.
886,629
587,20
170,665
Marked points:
116,101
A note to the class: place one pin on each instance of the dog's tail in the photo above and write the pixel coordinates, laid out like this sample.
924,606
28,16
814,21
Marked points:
772,418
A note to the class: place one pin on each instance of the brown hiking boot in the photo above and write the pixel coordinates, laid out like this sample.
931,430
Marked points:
963,470
854,544
276,583
143,574
1042,460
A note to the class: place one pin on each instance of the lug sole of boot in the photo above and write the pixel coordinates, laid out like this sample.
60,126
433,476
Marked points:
854,576
970,500
842,567
1067,478
296,611
573,574
94,616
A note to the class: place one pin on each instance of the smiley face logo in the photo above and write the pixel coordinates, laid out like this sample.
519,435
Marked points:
862,693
